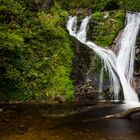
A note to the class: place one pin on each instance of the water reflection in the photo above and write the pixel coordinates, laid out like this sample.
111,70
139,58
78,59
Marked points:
27,122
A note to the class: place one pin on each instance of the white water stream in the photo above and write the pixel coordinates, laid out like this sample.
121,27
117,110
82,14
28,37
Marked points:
120,65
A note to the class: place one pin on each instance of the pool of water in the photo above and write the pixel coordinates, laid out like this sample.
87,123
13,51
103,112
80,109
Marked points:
34,122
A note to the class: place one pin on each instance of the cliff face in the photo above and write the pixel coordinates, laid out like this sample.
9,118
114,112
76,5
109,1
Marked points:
107,21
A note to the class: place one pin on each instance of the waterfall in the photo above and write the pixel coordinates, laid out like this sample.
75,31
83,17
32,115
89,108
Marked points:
119,65
126,55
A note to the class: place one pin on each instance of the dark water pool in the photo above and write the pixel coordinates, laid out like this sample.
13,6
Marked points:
32,122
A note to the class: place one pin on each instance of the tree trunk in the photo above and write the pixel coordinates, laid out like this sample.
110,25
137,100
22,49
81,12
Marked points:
125,114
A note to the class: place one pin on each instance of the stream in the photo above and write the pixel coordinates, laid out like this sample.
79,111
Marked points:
33,121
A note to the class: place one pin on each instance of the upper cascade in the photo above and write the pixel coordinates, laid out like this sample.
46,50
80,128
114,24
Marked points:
119,64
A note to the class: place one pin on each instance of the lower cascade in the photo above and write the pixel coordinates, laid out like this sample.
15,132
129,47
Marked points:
119,64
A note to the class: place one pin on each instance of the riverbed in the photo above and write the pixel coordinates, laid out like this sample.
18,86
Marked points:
27,121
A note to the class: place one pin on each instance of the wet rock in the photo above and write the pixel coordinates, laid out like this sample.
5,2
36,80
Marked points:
6,120
81,12
136,82
22,127
60,99
57,137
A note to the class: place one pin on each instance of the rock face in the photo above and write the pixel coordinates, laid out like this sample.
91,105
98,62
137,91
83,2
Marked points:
86,73
136,80
87,68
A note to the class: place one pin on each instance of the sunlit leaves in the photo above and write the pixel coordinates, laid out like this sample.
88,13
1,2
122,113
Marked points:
35,51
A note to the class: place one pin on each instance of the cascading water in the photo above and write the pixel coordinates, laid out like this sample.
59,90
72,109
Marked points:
126,55
118,65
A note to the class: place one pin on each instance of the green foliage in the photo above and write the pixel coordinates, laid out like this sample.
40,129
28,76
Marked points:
35,52
102,5
130,5
99,5
109,27
97,16
77,3
12,6
106,5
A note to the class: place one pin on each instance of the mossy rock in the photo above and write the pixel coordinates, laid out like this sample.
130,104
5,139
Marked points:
108,26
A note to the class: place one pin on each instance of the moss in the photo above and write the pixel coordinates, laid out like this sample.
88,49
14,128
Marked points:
97,16
108,27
